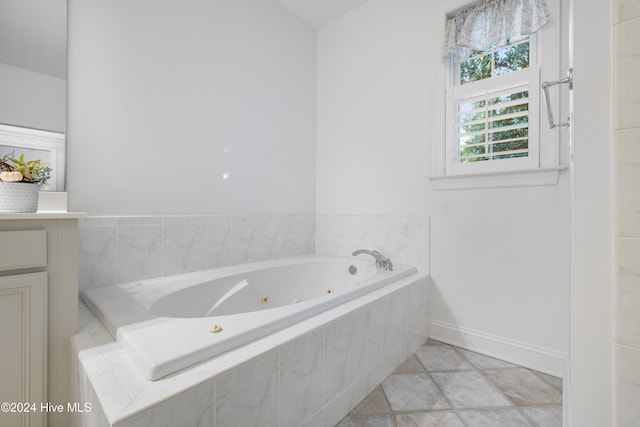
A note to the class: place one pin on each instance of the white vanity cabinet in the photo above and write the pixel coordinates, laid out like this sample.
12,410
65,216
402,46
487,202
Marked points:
23,305
38,316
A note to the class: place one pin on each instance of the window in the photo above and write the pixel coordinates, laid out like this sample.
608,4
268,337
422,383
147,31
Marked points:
491,135
492,110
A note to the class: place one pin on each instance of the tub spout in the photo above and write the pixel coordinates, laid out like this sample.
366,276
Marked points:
381,261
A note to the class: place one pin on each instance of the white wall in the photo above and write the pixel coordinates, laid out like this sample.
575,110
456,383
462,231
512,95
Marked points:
374,100
31,99
591,379
165,97
500,258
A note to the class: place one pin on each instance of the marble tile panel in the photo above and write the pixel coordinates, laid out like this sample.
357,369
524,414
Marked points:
96,417
215,235
408,241
97,259
277,236
327,235
94,328
628,176
429,419
441,357
150,393
102,337
315,420
548,416
403,239
495,418
628,291
399,354
627,9
130,377
339,406
140,220
97,221
354,233
139,252
194,407
113,397
469,389
245,240
412,392
523,387
182,219
395,332
340,355
94,363
182,246
248,395
300,379
368,381
305,227
628,74
481,361
370,324
378,420
628,385
415,327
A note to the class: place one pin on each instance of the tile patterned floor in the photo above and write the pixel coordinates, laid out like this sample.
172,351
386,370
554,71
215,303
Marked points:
445,386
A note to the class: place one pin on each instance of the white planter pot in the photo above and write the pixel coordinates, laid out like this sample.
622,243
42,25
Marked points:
18,197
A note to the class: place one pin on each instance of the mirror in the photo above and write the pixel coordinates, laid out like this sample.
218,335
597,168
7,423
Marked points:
48,147
33,62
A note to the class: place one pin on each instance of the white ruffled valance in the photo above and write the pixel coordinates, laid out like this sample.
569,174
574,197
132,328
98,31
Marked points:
492,22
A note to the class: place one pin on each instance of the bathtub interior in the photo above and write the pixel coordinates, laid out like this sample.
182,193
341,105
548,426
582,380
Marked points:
261,289
161,323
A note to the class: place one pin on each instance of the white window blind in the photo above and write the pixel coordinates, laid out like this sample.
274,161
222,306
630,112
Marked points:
487,129
492,120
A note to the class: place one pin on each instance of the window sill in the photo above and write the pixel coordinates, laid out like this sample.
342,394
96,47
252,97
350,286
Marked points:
518,178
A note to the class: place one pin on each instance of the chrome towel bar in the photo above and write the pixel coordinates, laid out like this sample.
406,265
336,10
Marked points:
545,90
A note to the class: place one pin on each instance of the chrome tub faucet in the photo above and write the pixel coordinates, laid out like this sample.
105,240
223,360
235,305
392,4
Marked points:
381,261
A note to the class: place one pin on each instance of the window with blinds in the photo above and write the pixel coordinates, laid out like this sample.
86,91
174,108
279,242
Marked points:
493,126
492,111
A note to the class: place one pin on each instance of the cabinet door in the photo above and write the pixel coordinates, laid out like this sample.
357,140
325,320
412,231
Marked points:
23,348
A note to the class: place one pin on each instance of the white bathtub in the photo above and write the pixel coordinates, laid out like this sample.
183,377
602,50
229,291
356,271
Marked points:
170,323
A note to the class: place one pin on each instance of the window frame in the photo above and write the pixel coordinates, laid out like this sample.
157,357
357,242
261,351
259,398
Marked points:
553,157
456,92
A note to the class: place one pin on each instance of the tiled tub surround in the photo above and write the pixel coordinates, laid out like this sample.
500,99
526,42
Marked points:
404,239
120,249
310,374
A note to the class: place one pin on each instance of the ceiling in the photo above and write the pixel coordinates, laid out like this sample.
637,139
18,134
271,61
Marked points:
33,33
319,12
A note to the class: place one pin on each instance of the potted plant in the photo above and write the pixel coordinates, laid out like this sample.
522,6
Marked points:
20,181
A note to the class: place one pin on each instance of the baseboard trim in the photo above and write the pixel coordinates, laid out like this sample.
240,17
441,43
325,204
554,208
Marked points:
529,356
